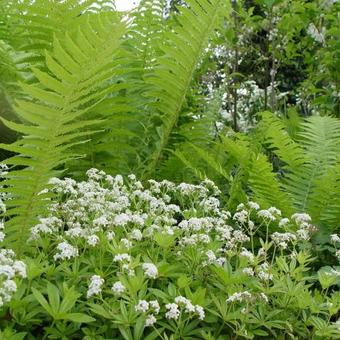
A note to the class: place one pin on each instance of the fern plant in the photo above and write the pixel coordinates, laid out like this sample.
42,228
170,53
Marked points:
78,69
172,77
160,57
300,173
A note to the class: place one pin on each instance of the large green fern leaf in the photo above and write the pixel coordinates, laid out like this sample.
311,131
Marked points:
78,69
173,75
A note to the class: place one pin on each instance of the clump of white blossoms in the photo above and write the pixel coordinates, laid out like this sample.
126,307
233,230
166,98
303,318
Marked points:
150,270
142,306
239,297
189,307
11,269
95,286
65,251
130,232
118,288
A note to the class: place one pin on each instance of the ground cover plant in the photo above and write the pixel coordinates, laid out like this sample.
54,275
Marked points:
169,172
117,260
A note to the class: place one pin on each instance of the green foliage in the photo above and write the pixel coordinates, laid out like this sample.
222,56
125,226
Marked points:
154,92
306,166
308,163
171,80
121,271
78,70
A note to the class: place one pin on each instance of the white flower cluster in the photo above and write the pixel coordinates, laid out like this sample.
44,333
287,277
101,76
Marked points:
65,251
95,286
239,297
184,305
335,238
150,307
105,208
10,269
282,239
121,218
118,288
270,214
263,272
316,34
3,173
150,270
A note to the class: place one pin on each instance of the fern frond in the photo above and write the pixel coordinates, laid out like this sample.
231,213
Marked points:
78,70
280,143
320,140
145,33
324,203
265,186
38,21
175,70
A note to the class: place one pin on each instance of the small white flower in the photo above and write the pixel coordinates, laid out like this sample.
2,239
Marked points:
264,297
264,276
182,301
10,286
335,238
92,240
142,306
150,320
155,306
337,254
274,211
110,235
301,218
283,222
248,254
75,232
266,214
240,207
248,271
20,268
122,258
241,216
150,270
200,311
126,243
303,234
251,225
281,239
95,286
65,251
253,205
136,234
211,256
240,236
261,252
2,207
118,288
173,311
7,271
239,297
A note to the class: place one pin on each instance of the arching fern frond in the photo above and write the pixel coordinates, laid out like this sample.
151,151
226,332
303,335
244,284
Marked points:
320,140
174,72
145,33
39,20
325,200
265,187
280,143
78,70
